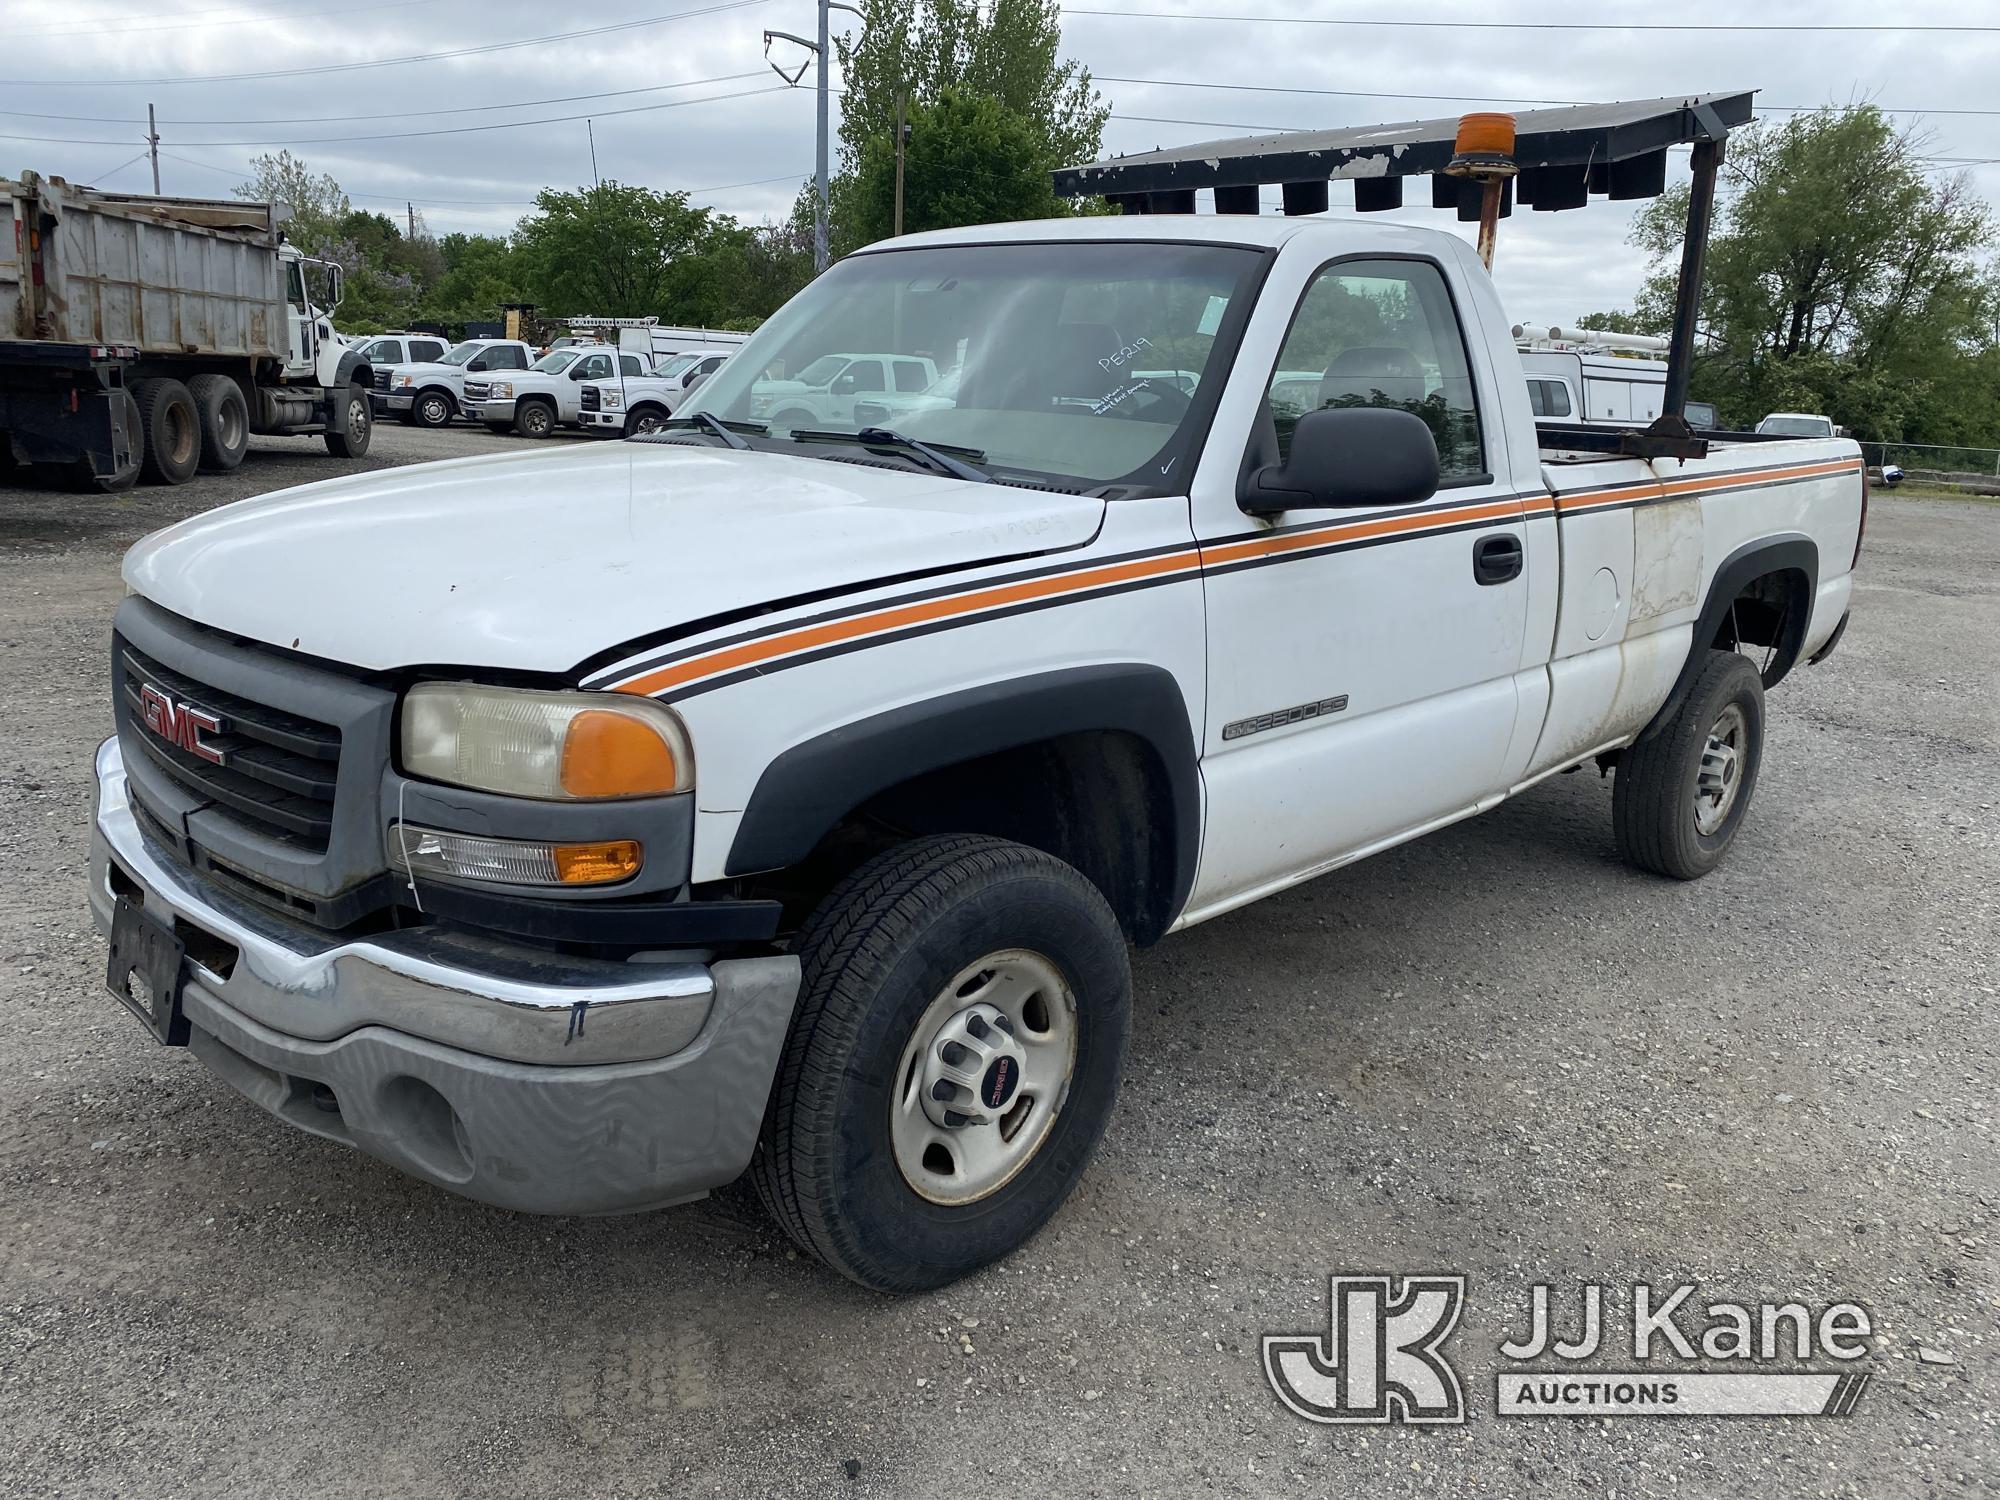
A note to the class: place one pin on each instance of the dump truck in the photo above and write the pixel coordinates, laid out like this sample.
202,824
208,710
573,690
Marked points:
150,338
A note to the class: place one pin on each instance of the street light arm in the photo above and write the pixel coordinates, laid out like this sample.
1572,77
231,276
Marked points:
785,36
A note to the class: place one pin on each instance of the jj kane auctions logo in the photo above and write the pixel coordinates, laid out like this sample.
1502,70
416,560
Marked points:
1382,1357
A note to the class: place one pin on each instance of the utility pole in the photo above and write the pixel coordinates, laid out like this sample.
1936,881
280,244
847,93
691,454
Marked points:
590,129
413,221
822,54
902,140
153,147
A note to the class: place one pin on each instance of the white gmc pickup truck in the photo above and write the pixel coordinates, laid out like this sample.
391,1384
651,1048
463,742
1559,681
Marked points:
785,800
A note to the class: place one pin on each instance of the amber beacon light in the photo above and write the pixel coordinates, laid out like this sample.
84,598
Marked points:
1484,151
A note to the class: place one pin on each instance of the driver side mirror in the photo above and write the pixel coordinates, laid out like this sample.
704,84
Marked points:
694,380
334,281
1342,456
576,371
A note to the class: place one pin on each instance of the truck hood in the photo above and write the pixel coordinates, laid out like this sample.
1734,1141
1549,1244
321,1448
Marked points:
540,561
428,368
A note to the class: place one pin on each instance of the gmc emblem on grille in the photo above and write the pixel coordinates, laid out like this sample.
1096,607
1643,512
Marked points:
179,724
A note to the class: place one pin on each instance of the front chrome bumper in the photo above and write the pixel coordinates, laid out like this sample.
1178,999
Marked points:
517,1075
495,409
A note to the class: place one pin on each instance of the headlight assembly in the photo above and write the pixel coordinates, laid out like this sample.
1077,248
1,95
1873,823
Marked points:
556,746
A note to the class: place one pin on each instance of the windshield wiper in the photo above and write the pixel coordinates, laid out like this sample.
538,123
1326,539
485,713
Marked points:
729,432
942,458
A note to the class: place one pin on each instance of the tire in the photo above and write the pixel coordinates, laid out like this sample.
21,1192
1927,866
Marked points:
922,932
534,419
352,437
433,408
644,419
225,421
172,429
1676,806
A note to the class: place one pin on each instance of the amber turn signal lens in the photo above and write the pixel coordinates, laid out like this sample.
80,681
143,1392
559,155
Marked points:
1485,135
608,754
596,864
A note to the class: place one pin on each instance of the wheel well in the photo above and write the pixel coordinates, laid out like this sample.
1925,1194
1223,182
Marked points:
1772,610
536,398
1100,800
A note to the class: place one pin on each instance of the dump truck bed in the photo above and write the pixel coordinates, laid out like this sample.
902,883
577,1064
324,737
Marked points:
168,276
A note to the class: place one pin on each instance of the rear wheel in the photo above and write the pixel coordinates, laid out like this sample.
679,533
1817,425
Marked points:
953,1061
1683,790
433,409
353,428
172,429
225,421
534,419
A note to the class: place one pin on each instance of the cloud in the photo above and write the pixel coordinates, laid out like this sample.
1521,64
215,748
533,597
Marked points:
1549,267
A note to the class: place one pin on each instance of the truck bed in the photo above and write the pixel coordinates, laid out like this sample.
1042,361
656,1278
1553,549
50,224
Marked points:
174,276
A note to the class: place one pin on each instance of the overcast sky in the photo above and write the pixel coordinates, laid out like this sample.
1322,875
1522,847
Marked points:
75,80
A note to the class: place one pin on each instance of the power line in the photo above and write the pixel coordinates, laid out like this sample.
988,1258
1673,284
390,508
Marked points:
410,135
1706,27
406,114
407,195
1264,88
318,69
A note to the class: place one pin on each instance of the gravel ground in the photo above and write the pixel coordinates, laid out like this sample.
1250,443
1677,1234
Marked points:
1495,1052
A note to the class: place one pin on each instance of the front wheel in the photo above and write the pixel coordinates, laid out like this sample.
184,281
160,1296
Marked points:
1683,789
433,409
646,419
350,436
953,1061
534,419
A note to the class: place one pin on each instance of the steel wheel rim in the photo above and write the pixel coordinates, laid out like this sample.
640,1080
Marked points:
435,410
1719,777
229,425
538,420
955,1165
357,418
182,436
645,424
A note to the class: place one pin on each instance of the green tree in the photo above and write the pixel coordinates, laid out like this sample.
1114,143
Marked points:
970,160
1007,53
315,200
615,250
1841,276
478,274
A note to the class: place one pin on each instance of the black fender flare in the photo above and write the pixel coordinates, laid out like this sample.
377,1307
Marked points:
1789,552
353,368
805,792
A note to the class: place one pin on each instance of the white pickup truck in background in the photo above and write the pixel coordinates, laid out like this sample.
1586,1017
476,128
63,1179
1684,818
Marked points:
824,393
638,404
431,394
785,799
549,394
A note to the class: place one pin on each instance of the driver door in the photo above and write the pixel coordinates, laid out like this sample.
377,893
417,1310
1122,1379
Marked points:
1361,660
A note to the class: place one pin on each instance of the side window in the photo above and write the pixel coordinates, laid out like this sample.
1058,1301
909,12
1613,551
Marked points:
423,349
516,359
1548,398
628,364
867,374
1381,333
910,375
594,367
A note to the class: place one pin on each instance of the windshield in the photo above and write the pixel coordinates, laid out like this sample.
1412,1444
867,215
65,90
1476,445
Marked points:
1075,362
460,354
555,360
1796,427
676,364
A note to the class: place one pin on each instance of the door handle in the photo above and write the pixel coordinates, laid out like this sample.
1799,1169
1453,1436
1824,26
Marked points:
1496,559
